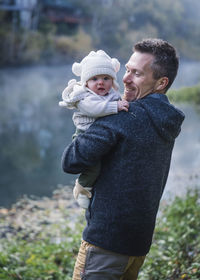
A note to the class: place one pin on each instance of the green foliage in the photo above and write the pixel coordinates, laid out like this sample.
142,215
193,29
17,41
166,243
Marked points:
186,94
41,261
120,23
33,46
79,44
175,253
114,25
41,257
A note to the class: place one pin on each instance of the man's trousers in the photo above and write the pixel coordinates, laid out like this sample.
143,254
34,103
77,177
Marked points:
94,263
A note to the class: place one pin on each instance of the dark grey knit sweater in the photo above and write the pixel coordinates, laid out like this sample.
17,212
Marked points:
135,149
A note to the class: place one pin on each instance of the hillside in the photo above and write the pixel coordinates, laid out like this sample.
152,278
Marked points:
115,27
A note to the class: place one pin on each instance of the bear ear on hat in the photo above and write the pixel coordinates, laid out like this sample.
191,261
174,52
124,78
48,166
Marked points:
76,68
92,53
115,64
101,52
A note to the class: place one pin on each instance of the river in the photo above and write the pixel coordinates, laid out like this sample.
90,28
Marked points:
34,130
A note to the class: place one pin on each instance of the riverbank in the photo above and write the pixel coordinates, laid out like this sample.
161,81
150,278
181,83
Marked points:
39,239
42,217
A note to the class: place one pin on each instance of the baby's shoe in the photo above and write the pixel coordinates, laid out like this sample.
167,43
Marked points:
82,195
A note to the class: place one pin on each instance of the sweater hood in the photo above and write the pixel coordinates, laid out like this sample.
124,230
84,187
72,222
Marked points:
168,124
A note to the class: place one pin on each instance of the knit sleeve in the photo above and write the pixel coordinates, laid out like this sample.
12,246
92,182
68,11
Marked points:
96,106
72,94
89,147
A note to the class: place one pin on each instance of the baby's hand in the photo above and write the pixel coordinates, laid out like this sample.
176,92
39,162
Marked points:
122,105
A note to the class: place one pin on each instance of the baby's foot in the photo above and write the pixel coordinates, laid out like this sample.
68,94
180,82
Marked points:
82,195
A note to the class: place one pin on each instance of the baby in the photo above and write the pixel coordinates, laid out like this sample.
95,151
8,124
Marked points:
95,95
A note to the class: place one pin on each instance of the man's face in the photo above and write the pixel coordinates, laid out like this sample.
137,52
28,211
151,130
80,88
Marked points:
138,79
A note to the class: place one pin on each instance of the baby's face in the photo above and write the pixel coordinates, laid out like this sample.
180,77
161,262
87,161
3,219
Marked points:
100,84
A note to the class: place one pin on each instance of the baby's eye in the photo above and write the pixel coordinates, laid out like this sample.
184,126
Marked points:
106,78
94,79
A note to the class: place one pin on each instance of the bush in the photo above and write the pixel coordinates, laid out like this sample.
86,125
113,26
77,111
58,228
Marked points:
175,253
28,47
186,94
32,48
40,258
79,44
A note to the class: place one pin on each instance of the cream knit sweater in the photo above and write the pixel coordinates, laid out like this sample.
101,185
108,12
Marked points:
89,105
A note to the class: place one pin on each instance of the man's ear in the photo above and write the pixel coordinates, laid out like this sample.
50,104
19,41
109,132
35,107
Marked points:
162,83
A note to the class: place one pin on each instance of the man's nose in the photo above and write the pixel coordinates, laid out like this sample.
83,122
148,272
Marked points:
127,78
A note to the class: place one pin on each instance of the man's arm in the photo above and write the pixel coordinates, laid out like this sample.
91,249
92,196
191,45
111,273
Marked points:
89,147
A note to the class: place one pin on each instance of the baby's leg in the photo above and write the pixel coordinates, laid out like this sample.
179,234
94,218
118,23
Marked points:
89,176
84,184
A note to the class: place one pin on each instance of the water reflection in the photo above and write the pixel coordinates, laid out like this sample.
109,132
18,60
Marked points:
34,130
185,165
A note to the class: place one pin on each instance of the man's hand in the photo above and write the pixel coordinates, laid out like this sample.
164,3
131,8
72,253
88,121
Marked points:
123,105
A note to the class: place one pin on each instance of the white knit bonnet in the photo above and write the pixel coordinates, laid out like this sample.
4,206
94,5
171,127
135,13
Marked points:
97,63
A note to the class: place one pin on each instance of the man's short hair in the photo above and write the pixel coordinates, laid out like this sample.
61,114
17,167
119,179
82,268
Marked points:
166,60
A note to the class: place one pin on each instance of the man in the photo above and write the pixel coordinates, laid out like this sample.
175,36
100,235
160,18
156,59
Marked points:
135,150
